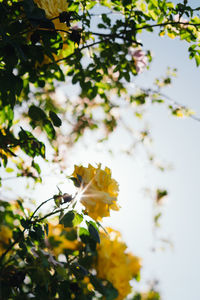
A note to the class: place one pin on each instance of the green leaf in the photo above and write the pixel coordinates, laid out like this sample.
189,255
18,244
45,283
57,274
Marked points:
17,234
160,194
25,223
30,145
197,59
111,293
137,297
68,218
36,113
9,170
48,127
106,19
36,166
55,119
101,26
84,235
79,271
6,115
77,219
71,219
18,85
154,2
39,232
94,233
83,231
97,283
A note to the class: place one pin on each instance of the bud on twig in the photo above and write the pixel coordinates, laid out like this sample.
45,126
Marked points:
67,198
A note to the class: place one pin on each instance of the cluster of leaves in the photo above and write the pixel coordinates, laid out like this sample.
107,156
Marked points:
29,267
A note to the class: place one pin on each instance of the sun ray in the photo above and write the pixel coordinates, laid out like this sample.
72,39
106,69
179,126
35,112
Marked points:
98,191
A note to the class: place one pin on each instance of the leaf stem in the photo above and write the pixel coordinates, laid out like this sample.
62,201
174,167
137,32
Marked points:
44,202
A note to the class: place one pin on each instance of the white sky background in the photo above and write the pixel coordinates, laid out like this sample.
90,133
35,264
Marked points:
176,141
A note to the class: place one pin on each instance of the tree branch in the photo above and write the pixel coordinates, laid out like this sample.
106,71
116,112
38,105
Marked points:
165,24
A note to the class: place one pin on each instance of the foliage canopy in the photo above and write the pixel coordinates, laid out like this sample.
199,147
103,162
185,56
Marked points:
93,50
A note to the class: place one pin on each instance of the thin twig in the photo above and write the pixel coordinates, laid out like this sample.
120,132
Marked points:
196,118
165,24
44,202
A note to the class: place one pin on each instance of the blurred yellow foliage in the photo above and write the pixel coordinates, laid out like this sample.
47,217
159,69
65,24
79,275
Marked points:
52,10
57,232
115,264
5,236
